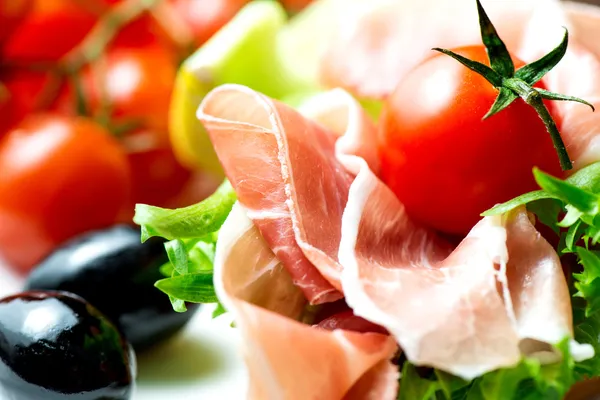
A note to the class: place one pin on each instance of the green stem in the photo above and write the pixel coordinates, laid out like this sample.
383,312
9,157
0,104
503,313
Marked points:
80,100
95,43
535,100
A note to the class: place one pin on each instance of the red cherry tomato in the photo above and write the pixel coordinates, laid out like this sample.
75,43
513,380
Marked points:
49,31
205,17
134,85
27,92
295,5
443,162
60,176
144,31
157,177
11,14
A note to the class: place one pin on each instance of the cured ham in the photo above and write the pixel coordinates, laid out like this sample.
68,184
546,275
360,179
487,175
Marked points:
287,359
501,292
467,311
284,172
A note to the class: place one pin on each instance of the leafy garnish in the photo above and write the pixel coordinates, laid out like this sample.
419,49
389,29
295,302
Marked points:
194,288
587,179
587,330
571,208
193,233
189,222
512,85
588,281
414,387
516,202
530,379
220,310
580,199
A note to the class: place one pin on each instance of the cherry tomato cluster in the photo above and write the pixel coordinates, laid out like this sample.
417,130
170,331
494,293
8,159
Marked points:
85,89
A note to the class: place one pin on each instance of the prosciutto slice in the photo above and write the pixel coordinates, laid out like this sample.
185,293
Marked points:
500,294
287,359
283,169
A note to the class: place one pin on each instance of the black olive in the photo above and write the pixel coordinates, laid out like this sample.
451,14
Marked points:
55,345
115,272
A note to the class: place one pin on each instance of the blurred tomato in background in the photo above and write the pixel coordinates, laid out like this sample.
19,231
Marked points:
85,88
42,34
295,5
11,13
60,176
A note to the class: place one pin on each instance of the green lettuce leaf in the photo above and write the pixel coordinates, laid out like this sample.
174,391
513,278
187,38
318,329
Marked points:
587,330
415,387
194,288
527,380
588,281
195,221
193,233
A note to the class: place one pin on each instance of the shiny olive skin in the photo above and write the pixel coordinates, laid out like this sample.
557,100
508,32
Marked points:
116,273
55,346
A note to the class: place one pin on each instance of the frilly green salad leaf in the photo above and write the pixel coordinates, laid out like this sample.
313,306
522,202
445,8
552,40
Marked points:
192,232
527,380
194,221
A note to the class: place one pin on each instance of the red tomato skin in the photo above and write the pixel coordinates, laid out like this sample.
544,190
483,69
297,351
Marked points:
49,31
157,177
295,5
11,14
137,84
28,92
442,161
60,177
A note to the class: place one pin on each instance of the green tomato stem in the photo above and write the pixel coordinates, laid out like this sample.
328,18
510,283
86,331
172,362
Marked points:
95,43
532,97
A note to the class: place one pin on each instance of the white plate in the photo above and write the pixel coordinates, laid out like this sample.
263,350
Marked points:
201,362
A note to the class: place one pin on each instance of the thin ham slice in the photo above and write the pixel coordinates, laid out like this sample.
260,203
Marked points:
287,359
500,294
284,171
